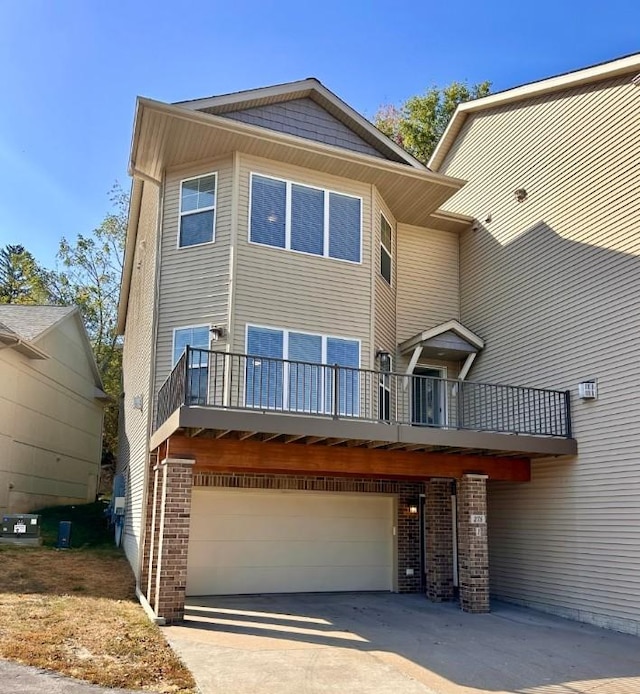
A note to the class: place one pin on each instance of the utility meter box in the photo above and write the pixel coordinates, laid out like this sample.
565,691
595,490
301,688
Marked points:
20,526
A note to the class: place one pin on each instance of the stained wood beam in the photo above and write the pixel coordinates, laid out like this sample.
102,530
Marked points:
227,455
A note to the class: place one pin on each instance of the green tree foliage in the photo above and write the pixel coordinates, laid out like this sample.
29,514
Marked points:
419,122
22,280
90,279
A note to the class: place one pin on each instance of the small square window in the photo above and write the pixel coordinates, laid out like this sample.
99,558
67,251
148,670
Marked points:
197,210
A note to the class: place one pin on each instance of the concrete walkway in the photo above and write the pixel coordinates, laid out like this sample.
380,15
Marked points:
395,644
21,679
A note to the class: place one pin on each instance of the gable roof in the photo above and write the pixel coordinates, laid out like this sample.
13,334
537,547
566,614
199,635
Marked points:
588,75
22,326
313,89
29,322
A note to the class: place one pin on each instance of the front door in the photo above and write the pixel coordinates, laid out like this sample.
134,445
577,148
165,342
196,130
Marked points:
427,397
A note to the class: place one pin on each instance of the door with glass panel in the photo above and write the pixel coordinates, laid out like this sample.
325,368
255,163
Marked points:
427,397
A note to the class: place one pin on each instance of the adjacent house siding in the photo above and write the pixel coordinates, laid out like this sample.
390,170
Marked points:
552,283
138,355
305,118
428,280
50,424
194,281
276,287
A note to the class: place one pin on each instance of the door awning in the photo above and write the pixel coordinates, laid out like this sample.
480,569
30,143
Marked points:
450,341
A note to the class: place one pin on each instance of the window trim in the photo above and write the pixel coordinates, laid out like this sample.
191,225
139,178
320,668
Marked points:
287,228
285,350
182,214
389,251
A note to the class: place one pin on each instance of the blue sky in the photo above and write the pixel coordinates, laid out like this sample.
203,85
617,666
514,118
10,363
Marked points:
70,71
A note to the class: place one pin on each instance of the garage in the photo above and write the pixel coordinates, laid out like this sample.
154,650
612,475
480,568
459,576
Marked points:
265,541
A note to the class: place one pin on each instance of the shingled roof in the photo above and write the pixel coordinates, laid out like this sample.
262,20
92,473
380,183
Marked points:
29,322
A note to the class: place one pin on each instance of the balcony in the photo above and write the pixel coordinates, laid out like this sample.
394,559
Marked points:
221,394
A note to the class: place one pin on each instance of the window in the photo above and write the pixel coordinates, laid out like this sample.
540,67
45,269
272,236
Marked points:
386,245
292,371
198,338
305,219
197,210
384,390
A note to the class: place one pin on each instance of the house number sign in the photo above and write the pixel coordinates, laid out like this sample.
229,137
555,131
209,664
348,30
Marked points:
478,518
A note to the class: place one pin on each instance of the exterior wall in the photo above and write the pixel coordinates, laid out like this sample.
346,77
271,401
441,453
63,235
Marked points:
428,281
138,355
407,524
284,289
305,118
50,424
552,283
384,322
194,281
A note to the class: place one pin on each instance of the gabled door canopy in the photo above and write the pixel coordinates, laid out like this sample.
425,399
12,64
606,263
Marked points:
449,341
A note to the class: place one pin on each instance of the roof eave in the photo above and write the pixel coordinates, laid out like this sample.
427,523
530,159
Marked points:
574,79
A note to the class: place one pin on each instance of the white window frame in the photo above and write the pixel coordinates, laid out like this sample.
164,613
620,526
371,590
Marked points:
388,250
213,207
287,229
173,350
285,352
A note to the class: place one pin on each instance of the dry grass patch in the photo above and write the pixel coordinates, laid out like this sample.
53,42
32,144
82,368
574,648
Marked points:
75,612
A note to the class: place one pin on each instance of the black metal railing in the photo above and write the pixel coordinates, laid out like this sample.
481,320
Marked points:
245,382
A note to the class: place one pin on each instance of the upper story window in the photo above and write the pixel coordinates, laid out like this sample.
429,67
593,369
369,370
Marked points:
196,337
197,210
305,219
386,245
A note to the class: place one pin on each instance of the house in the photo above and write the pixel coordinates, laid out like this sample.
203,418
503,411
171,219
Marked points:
51,408
550,278
297,413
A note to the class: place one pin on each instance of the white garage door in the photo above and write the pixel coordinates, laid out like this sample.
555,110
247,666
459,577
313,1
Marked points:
246,541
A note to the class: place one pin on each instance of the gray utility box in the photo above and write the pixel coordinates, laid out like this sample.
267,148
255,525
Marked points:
20,526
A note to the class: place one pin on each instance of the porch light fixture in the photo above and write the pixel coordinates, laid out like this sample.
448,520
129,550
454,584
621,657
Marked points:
217,331
384,359
413,508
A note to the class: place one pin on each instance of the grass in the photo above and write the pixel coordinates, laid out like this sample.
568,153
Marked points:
74,611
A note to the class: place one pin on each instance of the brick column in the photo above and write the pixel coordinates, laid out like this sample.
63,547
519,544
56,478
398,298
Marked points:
155,513
473,548
408,529
173,538
147,538
439,540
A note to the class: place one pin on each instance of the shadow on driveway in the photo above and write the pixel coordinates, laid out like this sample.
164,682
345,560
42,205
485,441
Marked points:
381,643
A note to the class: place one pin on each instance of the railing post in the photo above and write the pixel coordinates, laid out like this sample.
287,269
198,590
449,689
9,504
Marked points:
567,412
336,391
187,362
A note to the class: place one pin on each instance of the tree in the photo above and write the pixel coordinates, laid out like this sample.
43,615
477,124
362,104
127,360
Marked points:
418,123
22,280
90,279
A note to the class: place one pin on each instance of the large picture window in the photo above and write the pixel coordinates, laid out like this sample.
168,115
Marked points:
197,210
305,219
296,371
196,337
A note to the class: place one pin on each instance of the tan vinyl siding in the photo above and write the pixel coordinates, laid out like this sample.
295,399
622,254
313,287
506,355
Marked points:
50,424
137,360
194,281
428,282
385,295
280,288
552,285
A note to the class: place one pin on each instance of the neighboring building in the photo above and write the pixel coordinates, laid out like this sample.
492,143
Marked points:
51,408
296,415
550,277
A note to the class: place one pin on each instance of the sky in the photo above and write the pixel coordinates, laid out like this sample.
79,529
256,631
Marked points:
70,71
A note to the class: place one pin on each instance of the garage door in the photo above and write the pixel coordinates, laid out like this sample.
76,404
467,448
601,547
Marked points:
288,542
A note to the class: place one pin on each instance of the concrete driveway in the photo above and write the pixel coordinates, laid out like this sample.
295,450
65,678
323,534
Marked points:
395,644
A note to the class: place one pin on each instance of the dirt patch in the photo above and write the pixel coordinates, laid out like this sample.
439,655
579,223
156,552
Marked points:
75,612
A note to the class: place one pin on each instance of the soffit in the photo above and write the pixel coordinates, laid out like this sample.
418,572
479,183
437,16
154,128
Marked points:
168,136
